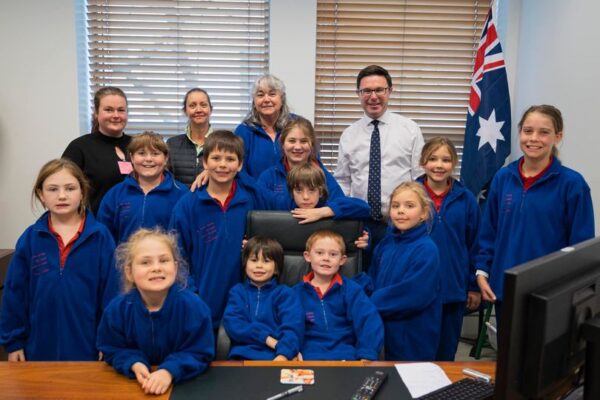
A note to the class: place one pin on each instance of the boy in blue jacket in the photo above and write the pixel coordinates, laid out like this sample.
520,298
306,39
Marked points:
341,323
211,221
262,318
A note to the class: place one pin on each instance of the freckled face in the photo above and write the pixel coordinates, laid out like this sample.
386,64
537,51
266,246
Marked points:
325,257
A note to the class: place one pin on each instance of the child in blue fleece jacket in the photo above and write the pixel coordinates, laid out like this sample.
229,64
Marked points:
264,320
145,199
454,230
61,276
535,205
157,321
341,323
405,273
211,221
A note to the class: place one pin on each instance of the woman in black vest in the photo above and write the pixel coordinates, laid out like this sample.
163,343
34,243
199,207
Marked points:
185,158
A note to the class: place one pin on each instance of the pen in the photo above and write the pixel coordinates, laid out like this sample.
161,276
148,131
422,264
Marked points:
296,389
480,376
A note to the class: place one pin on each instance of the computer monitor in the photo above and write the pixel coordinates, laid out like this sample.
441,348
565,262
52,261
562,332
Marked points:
550,318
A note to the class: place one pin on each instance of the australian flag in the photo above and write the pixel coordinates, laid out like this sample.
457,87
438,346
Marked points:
487,134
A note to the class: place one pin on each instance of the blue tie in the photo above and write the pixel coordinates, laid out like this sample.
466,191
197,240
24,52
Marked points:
374,186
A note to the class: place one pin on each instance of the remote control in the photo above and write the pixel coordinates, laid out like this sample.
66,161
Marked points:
370,386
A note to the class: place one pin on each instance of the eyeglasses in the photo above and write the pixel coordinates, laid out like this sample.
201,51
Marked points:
380,91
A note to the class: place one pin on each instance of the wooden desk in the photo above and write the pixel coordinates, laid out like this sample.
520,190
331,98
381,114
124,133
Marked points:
96,380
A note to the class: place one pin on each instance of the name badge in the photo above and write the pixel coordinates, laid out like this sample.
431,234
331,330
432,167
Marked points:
125,167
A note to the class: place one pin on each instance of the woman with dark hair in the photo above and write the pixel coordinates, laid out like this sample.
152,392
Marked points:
262,126
102,154
185,160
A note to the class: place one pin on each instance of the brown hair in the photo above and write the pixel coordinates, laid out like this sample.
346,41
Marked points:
224,140
326,233
125,254
419,190
433,145
148,140
57,165
551,112
374,70
185,99
270,249
306,127
100,93
308,175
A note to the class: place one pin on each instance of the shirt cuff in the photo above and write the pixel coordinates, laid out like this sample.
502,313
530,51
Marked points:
482,273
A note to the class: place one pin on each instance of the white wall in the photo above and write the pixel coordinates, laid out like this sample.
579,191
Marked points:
549,44
38,101
293,51
558,63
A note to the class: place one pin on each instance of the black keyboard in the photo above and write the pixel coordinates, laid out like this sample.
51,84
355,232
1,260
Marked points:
465,389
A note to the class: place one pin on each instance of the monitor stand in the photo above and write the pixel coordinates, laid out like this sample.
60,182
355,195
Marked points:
591,333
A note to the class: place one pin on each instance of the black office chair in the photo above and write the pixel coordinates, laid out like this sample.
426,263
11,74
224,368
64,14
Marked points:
283,227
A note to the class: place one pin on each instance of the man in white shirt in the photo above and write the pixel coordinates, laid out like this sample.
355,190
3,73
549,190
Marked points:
400,142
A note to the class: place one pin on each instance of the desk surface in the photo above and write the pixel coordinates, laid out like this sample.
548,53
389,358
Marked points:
96,380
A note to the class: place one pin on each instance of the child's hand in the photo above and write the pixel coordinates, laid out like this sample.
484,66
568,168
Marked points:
308,215
158,382
363,241
280,357
298,357
244,241
141,373
200,181
271,342
486,290
473,300
17,355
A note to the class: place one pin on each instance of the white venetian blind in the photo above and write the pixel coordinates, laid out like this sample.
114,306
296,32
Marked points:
427,46
156,50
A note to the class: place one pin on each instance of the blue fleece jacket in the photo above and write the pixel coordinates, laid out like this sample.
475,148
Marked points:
405,271
52,312
454,231
343,325
210,240
178,337
125,208
254,313
520,225
343,207
260,151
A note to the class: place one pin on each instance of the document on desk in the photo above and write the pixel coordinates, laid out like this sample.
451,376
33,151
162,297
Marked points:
422,378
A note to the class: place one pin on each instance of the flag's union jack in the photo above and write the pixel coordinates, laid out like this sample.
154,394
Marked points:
487,134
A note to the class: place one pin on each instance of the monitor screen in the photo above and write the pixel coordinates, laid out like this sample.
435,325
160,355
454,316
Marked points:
546,303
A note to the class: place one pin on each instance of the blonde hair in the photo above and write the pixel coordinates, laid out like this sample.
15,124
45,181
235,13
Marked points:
308,175
125,254
148,140
419,190
326,233
57,165
433,145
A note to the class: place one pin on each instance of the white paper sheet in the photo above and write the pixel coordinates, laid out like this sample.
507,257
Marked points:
422,378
